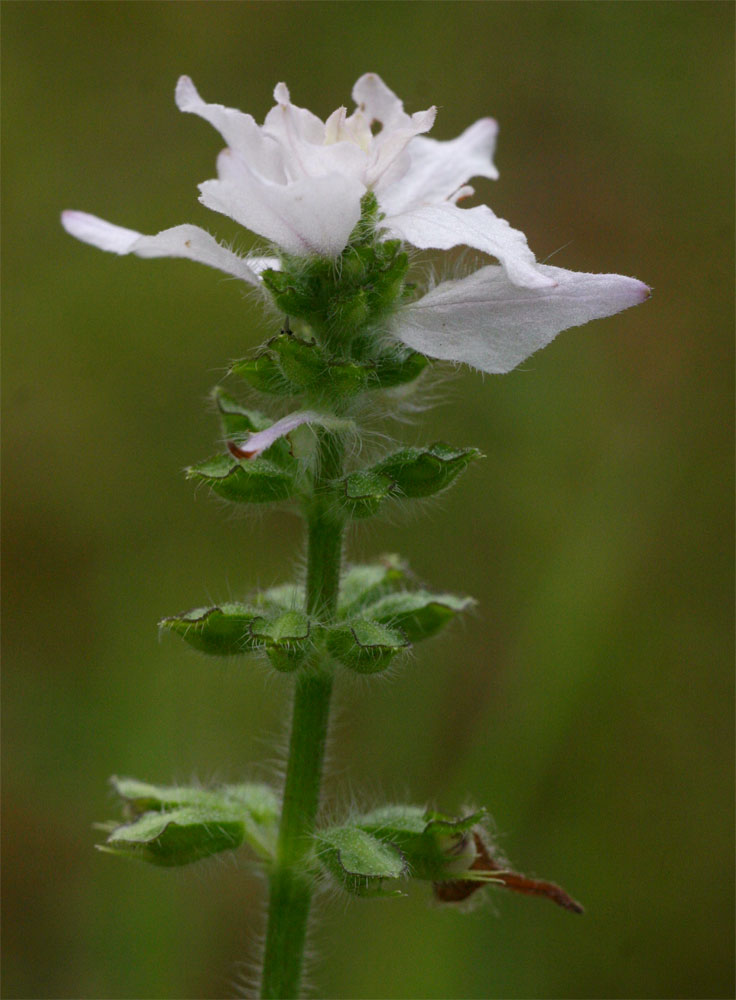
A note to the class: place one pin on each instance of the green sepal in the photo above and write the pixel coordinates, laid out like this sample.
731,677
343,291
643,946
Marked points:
454,853
178,837
410,473
264,374
256,480
359,862
422,472
348,378
235,419
435,846
340,297
399,369
290,365
285,596
418,613
170,826
301,362
220,631
362,585
285,637
365,646
364,492
304,366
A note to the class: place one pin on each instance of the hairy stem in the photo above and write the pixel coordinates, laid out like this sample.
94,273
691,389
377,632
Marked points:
290,885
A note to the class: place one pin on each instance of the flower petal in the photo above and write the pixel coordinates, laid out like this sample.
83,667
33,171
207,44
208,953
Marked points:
290,123
439,169
379,102
487,322
389,145
440,227
99,233
257,443
180,241
239,130
311,215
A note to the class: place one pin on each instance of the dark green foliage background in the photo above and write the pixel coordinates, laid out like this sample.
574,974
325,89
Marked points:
589,704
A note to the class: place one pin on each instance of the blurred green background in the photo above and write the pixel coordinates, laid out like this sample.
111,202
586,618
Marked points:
589,704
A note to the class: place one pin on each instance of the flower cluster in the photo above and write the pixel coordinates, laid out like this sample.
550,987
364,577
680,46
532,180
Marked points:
299,183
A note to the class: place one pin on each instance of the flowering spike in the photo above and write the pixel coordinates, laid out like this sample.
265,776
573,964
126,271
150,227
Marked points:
340,204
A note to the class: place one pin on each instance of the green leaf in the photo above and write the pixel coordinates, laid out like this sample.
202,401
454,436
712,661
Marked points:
360,862
365,646
364,492
170,825
285,637
255,480
362,585
418,614
422,472
220,631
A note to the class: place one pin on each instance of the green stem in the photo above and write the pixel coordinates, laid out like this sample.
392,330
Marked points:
290,883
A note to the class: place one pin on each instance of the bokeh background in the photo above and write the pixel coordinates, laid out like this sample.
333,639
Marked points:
589,704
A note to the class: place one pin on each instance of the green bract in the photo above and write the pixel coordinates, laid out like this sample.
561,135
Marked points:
377,617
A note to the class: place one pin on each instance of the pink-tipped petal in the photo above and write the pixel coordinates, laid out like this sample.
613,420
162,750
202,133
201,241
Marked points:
257,443
487,322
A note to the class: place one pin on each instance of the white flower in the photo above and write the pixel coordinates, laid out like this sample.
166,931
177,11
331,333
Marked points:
298,182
